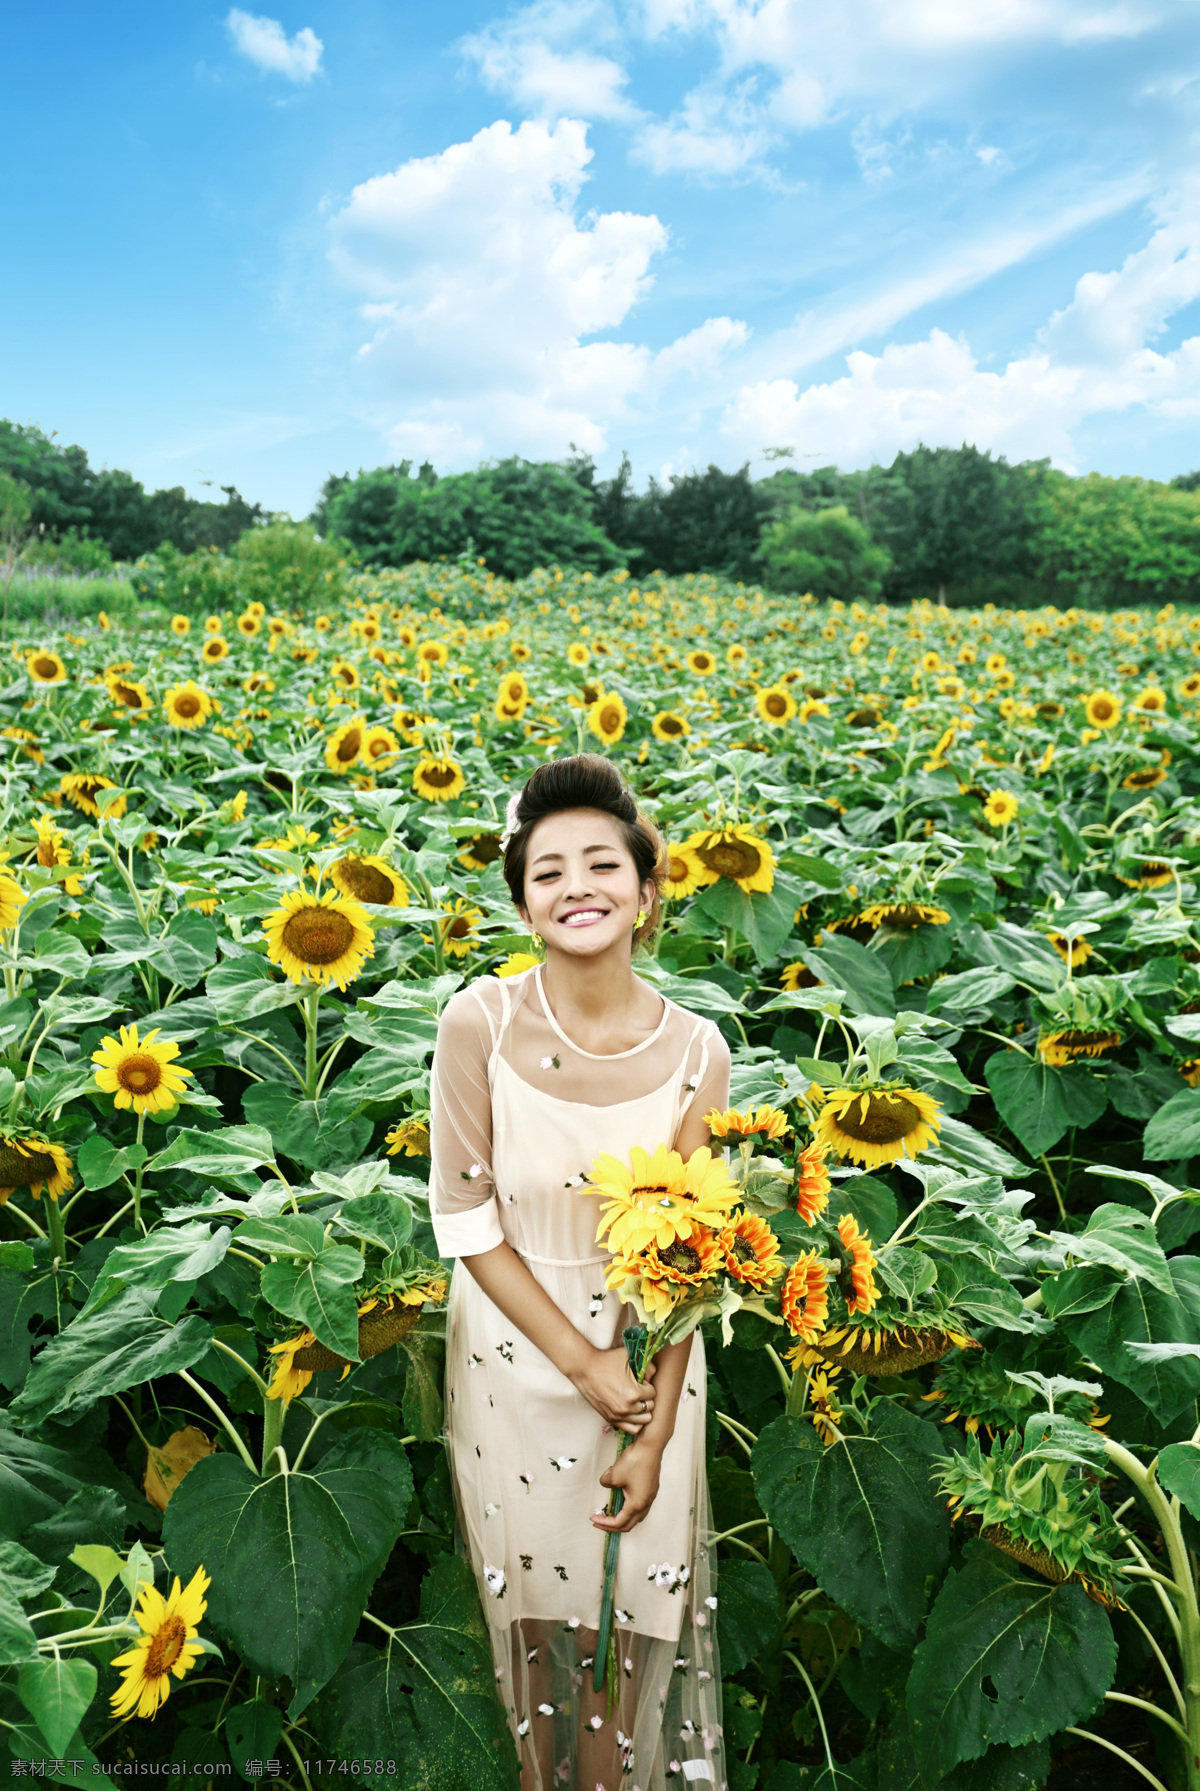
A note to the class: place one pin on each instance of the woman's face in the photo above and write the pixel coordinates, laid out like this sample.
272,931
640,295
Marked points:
581,885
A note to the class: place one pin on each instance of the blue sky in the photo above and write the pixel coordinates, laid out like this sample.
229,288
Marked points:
258,247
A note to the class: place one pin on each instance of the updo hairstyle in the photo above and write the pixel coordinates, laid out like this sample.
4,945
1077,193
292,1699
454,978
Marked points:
587,780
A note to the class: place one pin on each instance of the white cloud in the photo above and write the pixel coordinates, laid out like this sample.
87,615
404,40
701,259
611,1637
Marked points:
265,43
535,57
483,280
1093,358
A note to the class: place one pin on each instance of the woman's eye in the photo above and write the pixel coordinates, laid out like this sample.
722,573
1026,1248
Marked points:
606,867
545,876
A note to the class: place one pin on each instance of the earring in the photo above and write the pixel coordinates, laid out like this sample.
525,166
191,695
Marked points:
537,941
641,920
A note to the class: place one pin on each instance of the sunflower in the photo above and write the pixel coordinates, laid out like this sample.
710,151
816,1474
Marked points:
139,1073
1147,777
458,928
371,880
34,1163
431,653
701,662
906,916
181,625
212,624
804,1297
858,1262
1071,951
410,1136
82,787
813,706
480,851
438,779
1152,873
28,742
12,900
737,654
512,691
379,747
873,1126
686,871
1000,808
659,1197
1152,700
126,694
323,624
187,705
822,1410
662,1274
328,937
776,706
288,1381
45,667
164,1648
668,727
812,1183
345,674
798,976
737,853
517,963
297,835
1190,1071
577,654
1103,709
1188,687
937,757
1070,1042
249,625
757,1122
606,719
751,1252
344,746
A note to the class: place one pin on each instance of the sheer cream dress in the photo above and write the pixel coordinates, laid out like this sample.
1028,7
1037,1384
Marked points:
518,1114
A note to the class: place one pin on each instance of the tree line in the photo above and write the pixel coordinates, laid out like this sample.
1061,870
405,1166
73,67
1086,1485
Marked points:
954,524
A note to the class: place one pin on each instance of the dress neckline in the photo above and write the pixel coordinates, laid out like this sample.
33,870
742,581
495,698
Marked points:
599,1056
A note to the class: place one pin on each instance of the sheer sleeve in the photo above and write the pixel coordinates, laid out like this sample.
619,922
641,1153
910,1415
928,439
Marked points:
462,1196
706,1083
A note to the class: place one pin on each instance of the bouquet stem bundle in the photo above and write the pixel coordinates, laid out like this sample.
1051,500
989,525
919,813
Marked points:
640,1344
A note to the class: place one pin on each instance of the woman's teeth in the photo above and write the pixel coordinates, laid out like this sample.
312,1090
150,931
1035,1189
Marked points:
584,917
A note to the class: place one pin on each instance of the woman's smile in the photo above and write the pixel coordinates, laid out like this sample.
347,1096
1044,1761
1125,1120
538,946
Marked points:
584,917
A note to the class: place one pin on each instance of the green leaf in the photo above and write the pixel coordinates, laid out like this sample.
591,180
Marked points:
861,1515
972,995
102,1563
865,977
178,1253
964,1148
1048,1652
869,1201
100,1162
23,1299
817,870
230,1151
1174,1132
320,1294
17,1638
1138,1313
426,1699
93,1513
291,1234
120,1346
383,1219
1178,1472
16,1254
422,1408
1039,1103
747,1612
56,1693
252,1732
35,1479
292,1557
189,949
984,1294
243,987
764,921
23,1574
1121,1238
1001,1768
301,1129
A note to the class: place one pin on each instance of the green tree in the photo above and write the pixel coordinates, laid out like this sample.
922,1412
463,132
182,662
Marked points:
827,552
287,565
1120,540
15,510
699,522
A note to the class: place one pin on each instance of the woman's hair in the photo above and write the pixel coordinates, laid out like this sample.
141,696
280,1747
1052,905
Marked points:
586,780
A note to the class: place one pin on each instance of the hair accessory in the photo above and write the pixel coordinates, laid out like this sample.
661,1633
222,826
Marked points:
510,819
641,920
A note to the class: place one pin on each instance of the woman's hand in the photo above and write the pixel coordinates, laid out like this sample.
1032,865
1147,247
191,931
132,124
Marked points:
606,1381
636,1472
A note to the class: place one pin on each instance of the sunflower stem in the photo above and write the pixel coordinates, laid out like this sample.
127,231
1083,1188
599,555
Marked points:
294,1751
19,1213
137,1179
781,1370
224,1422
56,1231
273,1416
311,1002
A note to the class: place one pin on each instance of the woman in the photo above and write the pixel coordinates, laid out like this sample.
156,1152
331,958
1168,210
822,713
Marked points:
534,1076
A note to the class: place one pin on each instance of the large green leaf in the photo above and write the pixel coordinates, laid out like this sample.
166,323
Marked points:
748,1612
1121,1238
18,1640
56,1692
229,1151
252,1732
763,920
24,1298
22,1572
301,1130
120,1346
292,1557
93,1514
845,964
1174,1132
288,1234
961,1146
427,1699
1039,1103
35,1479
1001,1768
1004,1659
100,1162
861,1515
242,987
1138,1313
381,1218
1178,1471
175,1253
189,949
971,996
320,1294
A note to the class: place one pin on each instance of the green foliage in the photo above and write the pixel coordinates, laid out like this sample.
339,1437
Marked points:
827,552
1119,540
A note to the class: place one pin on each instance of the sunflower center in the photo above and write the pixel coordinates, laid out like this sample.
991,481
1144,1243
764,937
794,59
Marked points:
731,858
18,1168
1102,709
349,748
776,705
187,706
166,1644
125,693
702,662
45,668
1154,867
744,1250
458,928
671,724
317,935
683,1258
485,848
610,719
888,1118
367,881
679,870
139,1073
865,718
440,776
47,853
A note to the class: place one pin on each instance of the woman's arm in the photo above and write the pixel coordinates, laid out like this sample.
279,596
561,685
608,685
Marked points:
602,1376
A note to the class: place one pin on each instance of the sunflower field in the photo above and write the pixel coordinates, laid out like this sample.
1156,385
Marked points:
932,871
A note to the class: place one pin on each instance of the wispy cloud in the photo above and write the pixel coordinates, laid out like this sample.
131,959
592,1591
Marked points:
264,42
550,58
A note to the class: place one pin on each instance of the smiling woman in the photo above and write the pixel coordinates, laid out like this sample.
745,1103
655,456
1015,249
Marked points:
583,1057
